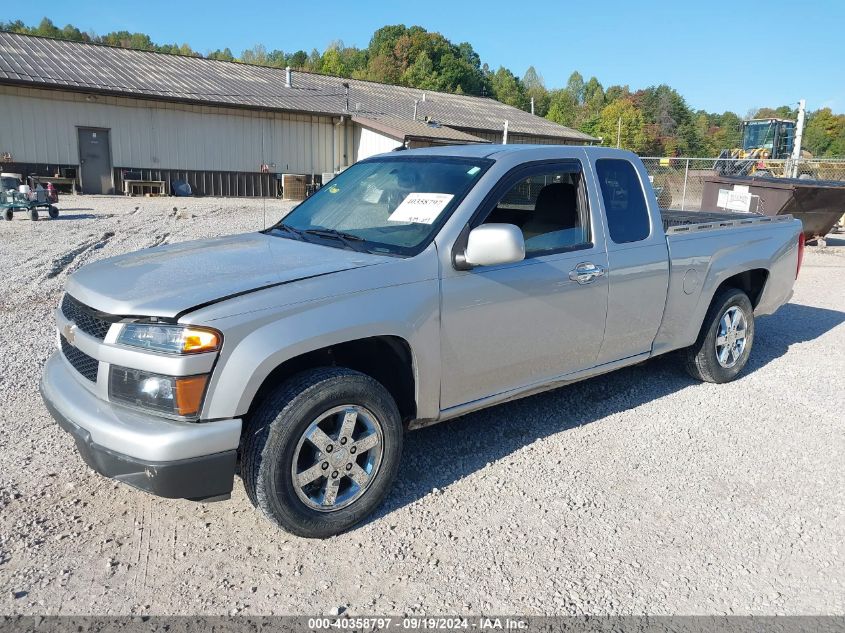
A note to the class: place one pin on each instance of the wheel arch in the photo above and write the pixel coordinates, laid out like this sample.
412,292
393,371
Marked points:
685,315
752,282
388,359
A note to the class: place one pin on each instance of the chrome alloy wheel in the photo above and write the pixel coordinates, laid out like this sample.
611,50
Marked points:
337,458
731,337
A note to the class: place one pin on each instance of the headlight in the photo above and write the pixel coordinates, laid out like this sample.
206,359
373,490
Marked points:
171,339
172,395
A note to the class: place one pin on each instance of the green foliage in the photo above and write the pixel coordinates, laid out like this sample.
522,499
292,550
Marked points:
225,55
575,86
718,131
563,107
535,88
298,59
824,134
624,122
671,119
508,89
783,112
655,120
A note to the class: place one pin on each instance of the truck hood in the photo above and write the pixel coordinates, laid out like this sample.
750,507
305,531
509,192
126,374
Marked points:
168,280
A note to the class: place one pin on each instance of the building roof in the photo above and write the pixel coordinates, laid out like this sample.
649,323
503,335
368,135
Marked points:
60,64
408,129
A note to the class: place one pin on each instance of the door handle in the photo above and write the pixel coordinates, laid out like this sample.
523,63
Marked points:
586,272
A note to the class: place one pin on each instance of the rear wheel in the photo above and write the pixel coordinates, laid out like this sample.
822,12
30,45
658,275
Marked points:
53,212
8,214
321,453
33,215
724,343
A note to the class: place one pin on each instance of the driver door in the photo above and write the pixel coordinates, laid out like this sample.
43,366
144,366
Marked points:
510,326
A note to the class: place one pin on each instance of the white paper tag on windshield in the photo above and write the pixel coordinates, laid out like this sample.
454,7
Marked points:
421,208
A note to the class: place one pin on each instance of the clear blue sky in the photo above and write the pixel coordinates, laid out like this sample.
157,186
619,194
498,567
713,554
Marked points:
718,55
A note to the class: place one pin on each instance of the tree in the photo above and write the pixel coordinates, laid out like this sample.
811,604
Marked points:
314,61
563,108
421,73
384,40
224,55
614,93
782,112
666,110
532,79
632,133
507,88
255,55
535,88
824,134
298,59
575,86
593,99
332,62
46,28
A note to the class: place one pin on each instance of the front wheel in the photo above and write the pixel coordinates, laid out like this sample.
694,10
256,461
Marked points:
53,212
321,453
33,215
727,334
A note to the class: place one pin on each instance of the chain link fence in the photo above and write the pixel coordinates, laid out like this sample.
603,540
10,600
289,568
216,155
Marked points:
679,182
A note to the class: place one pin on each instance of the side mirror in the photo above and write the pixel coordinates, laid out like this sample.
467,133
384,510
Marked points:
491,244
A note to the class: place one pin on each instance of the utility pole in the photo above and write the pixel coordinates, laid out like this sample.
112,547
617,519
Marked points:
799,133
532,105
619,133
505,134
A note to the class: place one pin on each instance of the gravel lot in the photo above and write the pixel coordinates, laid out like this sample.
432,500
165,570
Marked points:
637,492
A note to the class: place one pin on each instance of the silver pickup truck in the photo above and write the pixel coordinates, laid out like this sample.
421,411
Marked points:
414,287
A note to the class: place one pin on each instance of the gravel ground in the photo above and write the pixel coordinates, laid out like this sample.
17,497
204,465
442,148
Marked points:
637,492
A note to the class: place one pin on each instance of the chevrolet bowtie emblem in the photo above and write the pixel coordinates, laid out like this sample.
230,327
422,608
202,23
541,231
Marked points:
69,332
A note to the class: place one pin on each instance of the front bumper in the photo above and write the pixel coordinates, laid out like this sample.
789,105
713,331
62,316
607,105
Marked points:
189,460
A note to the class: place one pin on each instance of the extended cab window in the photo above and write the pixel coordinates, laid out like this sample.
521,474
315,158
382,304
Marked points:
624,201
549,206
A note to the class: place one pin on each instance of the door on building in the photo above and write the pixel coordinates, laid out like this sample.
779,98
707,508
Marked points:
95,160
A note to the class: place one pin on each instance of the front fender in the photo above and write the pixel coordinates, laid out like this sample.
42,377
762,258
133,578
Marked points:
409,311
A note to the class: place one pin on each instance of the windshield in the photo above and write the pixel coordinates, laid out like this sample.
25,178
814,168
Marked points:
384,205
759,134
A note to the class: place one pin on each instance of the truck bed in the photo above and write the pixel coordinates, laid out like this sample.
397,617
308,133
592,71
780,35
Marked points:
676,221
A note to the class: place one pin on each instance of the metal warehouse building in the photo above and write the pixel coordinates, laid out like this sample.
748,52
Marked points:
96,112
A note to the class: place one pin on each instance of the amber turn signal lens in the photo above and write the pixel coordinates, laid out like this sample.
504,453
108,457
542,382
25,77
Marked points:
197,340
189,393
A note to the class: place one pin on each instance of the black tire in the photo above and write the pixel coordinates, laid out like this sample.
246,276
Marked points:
33,215
701,358
9,214
274,430
53,212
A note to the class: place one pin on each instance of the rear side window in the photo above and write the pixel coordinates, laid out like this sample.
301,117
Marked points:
624,201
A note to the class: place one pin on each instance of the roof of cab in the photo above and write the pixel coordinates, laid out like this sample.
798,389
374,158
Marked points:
499,151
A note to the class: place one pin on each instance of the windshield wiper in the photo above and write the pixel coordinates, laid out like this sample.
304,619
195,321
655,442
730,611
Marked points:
355,242
281,226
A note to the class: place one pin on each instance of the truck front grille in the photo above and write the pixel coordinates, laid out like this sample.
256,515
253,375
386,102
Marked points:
80,361
86,319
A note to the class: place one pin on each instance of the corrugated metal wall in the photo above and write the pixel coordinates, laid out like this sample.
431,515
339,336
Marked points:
369,143
39,126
